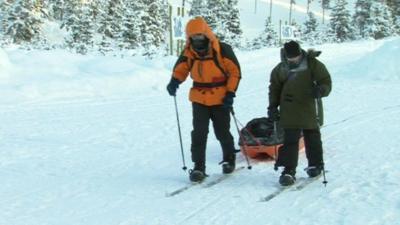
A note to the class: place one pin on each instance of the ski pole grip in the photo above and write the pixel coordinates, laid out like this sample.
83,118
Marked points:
231,109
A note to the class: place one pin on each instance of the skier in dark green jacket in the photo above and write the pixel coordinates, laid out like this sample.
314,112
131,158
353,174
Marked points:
296,86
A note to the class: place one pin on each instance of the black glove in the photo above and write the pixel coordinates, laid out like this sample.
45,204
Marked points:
172,86
227,102
273,113
316,91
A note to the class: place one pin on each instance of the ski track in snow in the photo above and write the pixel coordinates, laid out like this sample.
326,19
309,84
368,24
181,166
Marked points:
110,160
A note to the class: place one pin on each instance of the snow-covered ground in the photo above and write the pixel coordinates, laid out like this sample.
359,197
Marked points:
93,140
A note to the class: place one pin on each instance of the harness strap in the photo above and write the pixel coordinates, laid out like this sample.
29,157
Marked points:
209,85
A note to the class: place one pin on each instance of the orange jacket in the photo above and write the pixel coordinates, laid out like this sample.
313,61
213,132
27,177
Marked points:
212,75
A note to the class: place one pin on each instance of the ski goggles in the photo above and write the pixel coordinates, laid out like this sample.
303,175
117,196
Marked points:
198,37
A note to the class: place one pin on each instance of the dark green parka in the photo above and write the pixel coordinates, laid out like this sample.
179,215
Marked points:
291,90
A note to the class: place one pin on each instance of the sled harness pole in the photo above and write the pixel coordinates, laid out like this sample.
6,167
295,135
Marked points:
180,135
241,138
317,114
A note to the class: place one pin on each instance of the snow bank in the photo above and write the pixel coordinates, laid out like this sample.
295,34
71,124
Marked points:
382,64
62,75
5,66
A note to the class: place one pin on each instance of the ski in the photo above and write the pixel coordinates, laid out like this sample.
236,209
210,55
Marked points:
300,184
182,189
209,182
280,190
220,178
306,183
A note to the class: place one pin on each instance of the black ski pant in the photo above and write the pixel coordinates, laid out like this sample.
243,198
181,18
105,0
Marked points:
289,154
220,118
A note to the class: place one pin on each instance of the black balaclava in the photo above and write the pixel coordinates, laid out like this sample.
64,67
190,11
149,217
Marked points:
200,45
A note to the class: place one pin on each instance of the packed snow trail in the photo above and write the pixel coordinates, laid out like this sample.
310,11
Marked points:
90,146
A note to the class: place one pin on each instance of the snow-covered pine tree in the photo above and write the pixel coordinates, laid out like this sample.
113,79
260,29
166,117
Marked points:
57,8
130,30
71,10
362,17
311,24
23,22
308,5
82,29
324,34
234,31
340,22
152,32
394,5
267,38
198,8
164,12
382,21
110,25
5,7
309,32
217,17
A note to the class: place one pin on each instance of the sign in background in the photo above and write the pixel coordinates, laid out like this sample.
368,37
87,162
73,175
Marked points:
178,20
289,32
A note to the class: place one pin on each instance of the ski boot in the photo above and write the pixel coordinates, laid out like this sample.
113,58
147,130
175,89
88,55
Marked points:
313,171
287,177
197,174
228,165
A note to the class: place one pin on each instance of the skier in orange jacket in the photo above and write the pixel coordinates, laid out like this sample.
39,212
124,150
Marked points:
215,72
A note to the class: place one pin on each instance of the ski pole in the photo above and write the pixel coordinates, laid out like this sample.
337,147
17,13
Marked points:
325,182
241,138
180,135
276,147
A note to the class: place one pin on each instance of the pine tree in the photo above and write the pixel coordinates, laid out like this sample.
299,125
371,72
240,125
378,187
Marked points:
82,29
70,13
233,29
362,16
130,30
311,24
382,21
57,8
340,22
151,27
308,5
309,33
198,8
110,20
24,23
217,17
268,37
394,6
164,12
5,9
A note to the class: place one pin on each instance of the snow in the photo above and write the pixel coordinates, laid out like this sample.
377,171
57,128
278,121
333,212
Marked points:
94,140
53,33
5,66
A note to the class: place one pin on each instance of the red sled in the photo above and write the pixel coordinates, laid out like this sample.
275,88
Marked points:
262,139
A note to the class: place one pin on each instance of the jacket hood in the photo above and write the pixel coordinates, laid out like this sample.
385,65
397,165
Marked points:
198,25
